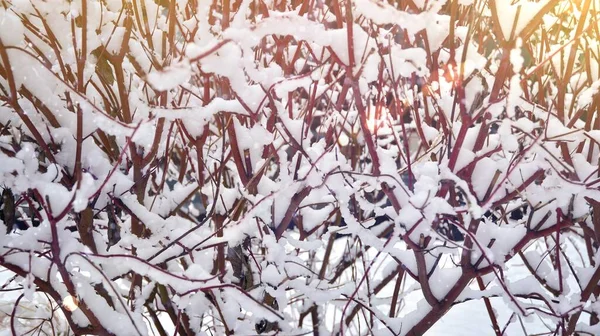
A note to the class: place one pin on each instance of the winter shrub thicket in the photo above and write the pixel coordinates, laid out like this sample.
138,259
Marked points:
299,167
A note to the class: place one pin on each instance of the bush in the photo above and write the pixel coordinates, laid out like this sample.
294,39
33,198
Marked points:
292,167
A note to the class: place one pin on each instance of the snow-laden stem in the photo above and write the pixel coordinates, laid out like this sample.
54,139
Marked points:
230,167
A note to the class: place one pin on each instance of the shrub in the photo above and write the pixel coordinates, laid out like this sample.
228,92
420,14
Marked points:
293,167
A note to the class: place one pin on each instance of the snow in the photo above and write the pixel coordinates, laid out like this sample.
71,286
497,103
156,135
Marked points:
326,190
170,77
513,18
11,28
588,94
483,175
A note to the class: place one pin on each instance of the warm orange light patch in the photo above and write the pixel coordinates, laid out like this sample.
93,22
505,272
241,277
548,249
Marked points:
377,118
70,303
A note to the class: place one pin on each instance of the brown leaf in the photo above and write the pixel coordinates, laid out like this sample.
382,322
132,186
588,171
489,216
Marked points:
8,211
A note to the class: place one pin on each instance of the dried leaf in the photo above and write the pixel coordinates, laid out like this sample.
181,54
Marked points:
264,326
113,231
241,267
8,209
103,68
